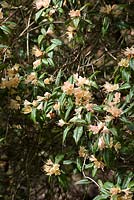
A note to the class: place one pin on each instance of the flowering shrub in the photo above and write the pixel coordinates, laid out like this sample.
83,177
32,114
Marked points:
67,96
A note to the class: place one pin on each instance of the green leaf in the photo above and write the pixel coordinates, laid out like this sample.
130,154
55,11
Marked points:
59,158
45,61
76,21
124,86
33,114
125,75
2,46
50,61
79,164
50,48
105,25
68,112
94,171
82,182
67,129
5,29
57,42
67,162
38,14
78,131
75,119
58,78
40,38
131,63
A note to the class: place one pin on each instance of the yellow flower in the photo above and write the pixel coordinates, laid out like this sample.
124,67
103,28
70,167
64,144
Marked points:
61,123
110,87
31,78
115,191
68,88
82,152
124,62
1,13
117,146
27,110
56,106
51,168
15,105
36,63
74,13
101,143
97,164
129,52
36,51
42,3
70,32
116,112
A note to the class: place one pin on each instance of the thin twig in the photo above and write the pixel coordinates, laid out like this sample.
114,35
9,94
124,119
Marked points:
28,23
87,177
110,54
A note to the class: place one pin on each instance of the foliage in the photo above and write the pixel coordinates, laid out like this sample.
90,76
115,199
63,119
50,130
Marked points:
66,97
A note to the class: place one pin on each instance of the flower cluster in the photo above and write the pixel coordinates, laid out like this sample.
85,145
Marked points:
12,78
51,168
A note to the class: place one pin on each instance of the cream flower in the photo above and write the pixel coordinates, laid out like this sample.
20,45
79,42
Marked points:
27,110
1,14
115,191
36,51
110,87
74,13
61,123
97,164
51,168
42,3
129,52
101,143
124,62
82,152
68,88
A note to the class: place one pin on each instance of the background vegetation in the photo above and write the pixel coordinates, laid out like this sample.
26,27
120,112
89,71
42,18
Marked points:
67,91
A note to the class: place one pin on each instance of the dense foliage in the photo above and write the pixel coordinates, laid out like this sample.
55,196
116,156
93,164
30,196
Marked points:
67,93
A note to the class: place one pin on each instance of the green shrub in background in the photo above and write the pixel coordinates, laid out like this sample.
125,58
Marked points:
67,96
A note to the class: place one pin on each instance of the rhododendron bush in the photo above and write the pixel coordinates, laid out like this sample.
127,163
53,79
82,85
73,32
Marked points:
67,93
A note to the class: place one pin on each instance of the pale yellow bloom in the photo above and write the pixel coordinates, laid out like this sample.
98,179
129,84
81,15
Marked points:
110,87
115,191
108,9
82,152
1,14
36,63
31,78
97,164
74,13
56,106
70,32
11,83
101,143
68,88
61,123
129,52
82,97
36,51
124,62
15,105
116,112
27,110
51,168
117,97
47,81
96,128
42,3
117,146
